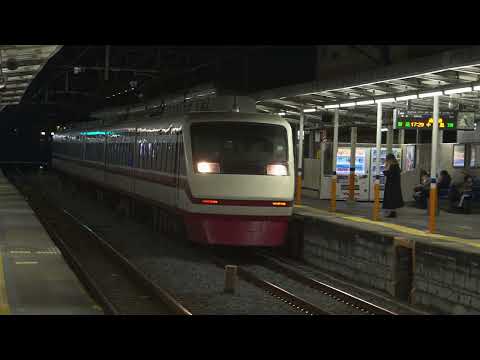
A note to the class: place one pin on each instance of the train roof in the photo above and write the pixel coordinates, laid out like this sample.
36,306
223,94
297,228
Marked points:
181,119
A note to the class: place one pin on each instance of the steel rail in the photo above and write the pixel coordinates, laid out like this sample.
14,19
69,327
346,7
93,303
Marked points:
326,289
275,290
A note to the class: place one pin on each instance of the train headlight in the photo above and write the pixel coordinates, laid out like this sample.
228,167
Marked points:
277,170
208,167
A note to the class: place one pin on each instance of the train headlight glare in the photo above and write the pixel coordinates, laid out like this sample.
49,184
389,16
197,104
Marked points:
208,167
277,170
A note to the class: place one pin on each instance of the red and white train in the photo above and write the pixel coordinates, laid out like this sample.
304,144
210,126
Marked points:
227,176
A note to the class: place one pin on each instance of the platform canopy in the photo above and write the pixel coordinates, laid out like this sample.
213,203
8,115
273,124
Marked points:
19,64
454,75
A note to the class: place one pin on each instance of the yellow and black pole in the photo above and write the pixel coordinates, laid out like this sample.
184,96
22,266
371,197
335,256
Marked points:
433,168
298,194
353,153
376,186
333,189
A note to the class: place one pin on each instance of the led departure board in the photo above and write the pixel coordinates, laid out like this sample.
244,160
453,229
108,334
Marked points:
424,121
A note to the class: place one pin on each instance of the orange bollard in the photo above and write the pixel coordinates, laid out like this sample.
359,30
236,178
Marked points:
433,208
351,185
376,203
333,194
298,195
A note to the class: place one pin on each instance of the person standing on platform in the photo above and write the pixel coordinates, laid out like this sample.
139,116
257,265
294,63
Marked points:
392,196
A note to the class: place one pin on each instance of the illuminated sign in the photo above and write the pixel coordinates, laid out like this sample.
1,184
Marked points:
424,121
94,133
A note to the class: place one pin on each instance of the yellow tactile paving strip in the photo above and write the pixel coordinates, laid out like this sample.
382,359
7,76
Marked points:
4,306
395,227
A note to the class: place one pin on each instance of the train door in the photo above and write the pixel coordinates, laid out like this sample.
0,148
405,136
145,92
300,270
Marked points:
178,167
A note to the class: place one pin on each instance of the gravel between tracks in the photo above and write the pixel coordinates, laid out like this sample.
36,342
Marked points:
176,266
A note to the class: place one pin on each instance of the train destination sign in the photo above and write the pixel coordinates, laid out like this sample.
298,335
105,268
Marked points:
424,121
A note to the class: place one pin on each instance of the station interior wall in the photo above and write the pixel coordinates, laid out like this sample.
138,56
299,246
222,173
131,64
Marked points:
314,169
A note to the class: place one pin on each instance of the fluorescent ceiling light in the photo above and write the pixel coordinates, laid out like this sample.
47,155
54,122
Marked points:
476,88
309,110
331,106
458,90
384,129
407,97
430,94
366,102
347,104
282,114
385,100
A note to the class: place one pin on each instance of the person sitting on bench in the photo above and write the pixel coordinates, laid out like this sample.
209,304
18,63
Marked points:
444,180
462,193
467,192
421,191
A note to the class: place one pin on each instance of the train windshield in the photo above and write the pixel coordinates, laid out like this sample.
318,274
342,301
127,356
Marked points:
239,148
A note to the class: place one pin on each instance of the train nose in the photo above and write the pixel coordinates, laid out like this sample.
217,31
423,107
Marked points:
237,230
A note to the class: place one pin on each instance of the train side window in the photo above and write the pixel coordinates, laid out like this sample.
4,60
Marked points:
150,153
167,157
157,154
146,152
164,154
140,155
181,154
170,156
175,155
124,151
173,167
130,154
160,154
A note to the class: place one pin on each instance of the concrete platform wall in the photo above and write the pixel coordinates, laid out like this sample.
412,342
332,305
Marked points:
447,280
443,279
361,256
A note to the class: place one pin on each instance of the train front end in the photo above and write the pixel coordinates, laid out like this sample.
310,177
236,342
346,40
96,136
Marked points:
240,179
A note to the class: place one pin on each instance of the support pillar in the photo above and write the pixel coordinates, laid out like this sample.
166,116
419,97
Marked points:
311,145
298,198
433,169
401,137
321,156
333,191
376,186
389,139
353,153
440,141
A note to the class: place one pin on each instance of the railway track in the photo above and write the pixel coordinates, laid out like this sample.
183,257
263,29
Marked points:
117,285
313,292
273,289
328,290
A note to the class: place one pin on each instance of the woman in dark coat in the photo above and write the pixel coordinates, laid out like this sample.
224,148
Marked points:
392,196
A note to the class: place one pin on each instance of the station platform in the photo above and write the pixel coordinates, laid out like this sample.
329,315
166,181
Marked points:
34,277
439,272
409,221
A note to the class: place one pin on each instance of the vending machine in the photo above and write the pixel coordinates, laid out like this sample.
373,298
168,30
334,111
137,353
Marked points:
343,172
373,161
